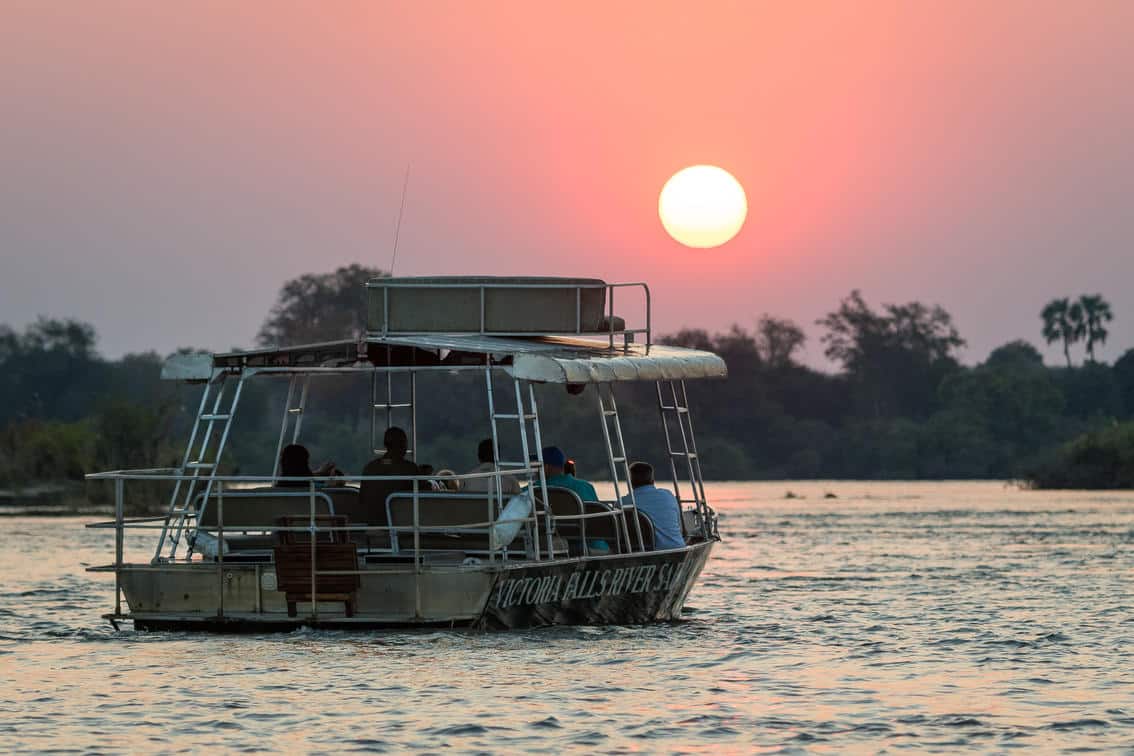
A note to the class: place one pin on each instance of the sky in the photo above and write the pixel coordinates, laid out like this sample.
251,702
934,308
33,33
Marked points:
164,167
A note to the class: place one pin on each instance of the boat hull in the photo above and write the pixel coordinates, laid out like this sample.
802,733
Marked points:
610,590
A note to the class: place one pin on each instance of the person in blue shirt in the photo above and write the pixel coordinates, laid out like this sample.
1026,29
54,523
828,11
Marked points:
658,504
554,461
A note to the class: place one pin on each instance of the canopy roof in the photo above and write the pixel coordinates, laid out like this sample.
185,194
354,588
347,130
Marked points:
543,359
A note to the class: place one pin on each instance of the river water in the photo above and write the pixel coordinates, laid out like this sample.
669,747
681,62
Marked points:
898,616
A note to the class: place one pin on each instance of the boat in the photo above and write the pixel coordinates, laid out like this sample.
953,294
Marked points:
274,552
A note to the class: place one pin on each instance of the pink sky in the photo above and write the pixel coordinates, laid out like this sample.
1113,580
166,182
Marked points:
166,166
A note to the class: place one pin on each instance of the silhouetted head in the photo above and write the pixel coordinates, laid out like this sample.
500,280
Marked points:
295,462
553,460
396,442
641,474
484,451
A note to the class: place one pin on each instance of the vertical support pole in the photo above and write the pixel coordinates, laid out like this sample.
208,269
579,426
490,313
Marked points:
284,424
389,387
416,549
373,417
698,496
301,409
610,315
669,451
542,472
498,494
626,467
314,555
220,549
385,310
413,414
613,469
522,423
699,481
119,537
649,326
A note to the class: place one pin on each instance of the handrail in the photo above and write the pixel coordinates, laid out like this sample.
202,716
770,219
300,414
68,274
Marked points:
389,283
316,523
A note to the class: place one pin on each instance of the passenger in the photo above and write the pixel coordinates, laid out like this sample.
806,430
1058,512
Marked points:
295,462
373,493
509,485
554,462
658,504
446,480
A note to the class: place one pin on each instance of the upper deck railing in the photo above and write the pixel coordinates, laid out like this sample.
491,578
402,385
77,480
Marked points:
503,307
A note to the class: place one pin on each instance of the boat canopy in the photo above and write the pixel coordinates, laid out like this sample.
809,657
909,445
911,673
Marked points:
538,359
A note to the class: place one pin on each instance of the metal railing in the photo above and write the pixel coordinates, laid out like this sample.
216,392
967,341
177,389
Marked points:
628,334
317,490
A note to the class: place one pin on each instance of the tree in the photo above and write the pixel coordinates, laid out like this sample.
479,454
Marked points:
1124,377
1096,312
1018,353
1063,321
777,340
51,370
320,307
897,357
690,338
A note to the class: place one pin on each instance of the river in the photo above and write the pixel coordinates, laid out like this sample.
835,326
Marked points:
898,616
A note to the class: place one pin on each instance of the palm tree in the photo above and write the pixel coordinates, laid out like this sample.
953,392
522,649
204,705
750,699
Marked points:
1063,321
1096,311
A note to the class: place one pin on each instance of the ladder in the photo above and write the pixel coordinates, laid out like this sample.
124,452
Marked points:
522,417
618,461
383,408
293,415
676,412
202,456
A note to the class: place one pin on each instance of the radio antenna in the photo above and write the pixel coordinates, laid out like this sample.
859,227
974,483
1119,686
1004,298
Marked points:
398,225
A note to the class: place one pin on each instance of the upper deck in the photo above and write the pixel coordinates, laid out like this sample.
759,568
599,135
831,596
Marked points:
547,330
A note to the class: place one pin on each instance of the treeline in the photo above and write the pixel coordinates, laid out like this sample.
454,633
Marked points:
901,406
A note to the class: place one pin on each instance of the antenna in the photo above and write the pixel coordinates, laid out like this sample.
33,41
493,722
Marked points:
398,225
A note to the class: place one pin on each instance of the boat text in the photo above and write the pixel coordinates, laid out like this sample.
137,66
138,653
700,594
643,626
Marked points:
589,584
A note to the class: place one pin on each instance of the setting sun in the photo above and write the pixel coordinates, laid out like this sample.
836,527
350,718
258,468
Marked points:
702,206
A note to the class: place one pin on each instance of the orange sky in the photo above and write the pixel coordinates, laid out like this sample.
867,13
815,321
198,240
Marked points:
166,166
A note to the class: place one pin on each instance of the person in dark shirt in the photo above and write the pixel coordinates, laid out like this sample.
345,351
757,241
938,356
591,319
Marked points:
295,462
373,493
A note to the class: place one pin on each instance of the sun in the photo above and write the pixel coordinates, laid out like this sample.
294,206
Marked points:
702,206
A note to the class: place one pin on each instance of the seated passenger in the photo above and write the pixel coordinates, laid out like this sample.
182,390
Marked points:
510,485
554,461
446,480
373,493
658,504
295,462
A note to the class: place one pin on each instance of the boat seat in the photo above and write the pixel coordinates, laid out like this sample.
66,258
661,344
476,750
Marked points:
566,507
260,508
453,522
647,526
250,516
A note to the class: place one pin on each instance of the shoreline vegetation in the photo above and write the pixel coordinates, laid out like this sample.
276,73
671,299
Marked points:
900,405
